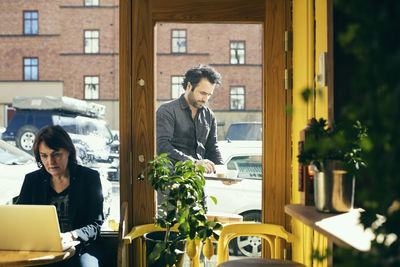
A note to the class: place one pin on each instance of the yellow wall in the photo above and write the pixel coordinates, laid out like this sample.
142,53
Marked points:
306,38
321,46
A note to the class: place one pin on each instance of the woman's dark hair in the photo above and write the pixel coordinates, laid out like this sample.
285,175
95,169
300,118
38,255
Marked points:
195,74
55,137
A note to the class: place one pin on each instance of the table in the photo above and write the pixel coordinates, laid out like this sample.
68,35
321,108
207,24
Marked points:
342,228
224,217
214,177
259,262
33,258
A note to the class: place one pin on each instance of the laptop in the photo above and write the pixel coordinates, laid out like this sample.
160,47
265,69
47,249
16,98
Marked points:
32,228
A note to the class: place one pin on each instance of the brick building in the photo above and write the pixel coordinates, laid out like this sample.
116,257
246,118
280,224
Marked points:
70,48
60,47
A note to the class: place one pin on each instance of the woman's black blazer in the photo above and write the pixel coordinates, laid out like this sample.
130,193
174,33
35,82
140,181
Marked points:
86,198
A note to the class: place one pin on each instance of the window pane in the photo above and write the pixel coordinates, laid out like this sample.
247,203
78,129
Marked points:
34,27
91,2
91,41
95,46
228,103
30,68
237,52
178,41
91,87
176,86
63,76
34,73
27,26
30,22
27,73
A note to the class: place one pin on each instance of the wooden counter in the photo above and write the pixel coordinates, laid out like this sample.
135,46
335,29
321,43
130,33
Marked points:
342,228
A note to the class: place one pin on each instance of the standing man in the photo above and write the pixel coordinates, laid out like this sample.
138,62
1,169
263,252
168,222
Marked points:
187,129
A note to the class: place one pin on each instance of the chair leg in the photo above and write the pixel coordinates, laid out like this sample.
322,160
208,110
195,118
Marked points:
195,262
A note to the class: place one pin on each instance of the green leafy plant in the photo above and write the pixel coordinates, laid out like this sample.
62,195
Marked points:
340,142
184,205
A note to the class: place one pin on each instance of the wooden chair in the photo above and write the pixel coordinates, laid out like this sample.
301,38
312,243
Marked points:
273,234
140,230
122,258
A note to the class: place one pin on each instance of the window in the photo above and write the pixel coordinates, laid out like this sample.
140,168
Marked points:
176,86
91,87
178,41
91,2
31,24
31,69
237,52
237,98
91,42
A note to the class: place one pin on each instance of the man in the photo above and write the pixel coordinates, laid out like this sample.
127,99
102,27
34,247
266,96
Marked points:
186,128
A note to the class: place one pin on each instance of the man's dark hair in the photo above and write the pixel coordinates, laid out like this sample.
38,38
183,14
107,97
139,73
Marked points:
195,74
55,137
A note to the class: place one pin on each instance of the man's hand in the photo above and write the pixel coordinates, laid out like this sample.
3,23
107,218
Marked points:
207,164
229,182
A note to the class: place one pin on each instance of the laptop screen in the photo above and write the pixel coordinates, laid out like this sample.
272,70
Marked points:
29,227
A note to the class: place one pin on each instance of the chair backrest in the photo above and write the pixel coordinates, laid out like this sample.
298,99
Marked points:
273,234
122,257
138,231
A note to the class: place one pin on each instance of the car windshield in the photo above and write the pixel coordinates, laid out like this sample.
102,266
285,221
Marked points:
9,155
92,127
244,131
249,167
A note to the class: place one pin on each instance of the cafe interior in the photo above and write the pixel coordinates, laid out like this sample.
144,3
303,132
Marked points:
321,59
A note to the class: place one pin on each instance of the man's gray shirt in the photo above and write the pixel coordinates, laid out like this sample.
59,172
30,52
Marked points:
183,138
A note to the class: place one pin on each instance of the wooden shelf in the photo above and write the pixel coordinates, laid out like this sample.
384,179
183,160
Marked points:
343,229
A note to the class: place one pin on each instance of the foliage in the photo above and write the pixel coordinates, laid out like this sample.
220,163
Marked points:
184,204
339,142
367,88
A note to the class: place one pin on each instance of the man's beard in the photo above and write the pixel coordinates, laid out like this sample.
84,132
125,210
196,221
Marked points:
195,103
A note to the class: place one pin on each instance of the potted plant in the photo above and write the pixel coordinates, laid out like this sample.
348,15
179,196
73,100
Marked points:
183,208
334,153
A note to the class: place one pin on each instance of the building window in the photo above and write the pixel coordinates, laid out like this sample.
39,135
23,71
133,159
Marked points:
178,41
237,52
91,2
91,42
176,86
31,24
31,69
237,98
91,87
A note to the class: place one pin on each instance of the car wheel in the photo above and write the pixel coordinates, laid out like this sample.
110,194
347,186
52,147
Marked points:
249,246
25,138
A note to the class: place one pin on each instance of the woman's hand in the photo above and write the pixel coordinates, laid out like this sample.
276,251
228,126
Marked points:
68,237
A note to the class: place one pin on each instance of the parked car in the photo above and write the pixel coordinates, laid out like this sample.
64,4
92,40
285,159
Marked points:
82,120
251,131
243,197
16,163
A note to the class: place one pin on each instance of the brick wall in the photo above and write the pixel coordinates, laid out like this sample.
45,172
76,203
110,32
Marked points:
60,43
210,44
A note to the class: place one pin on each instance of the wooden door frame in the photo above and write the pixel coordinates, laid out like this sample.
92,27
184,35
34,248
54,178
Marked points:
137,95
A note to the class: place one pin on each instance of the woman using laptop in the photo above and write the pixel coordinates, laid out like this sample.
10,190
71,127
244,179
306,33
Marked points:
74,190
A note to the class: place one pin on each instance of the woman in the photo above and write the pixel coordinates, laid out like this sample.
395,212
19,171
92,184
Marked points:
74,190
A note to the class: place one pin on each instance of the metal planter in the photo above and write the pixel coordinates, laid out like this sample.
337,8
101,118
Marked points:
333,189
